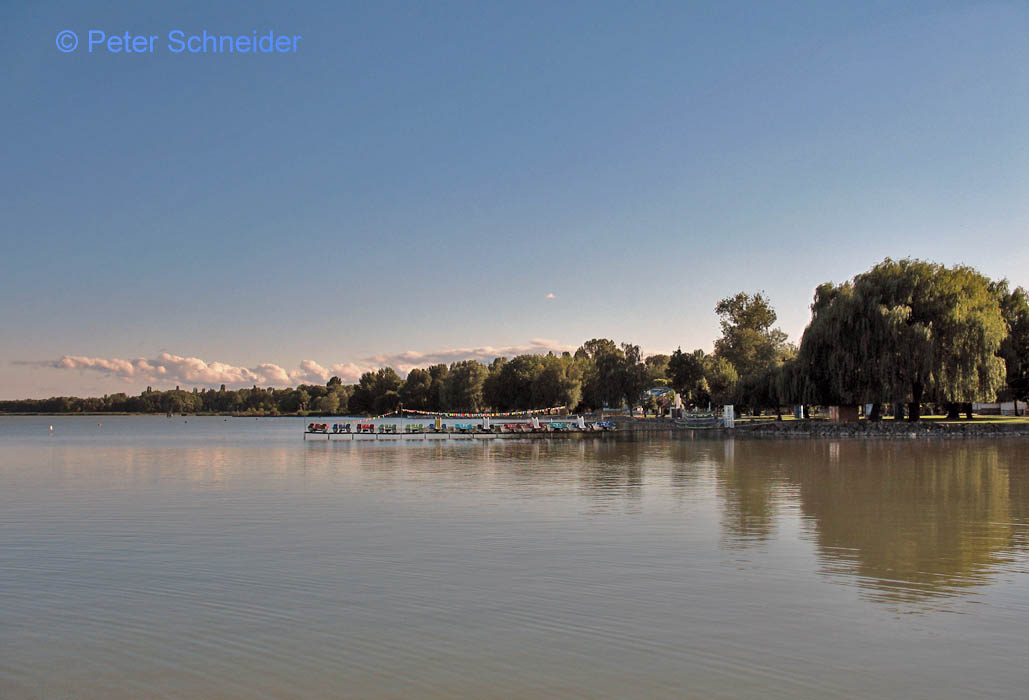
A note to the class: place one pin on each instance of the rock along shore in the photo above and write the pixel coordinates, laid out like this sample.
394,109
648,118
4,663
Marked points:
882,429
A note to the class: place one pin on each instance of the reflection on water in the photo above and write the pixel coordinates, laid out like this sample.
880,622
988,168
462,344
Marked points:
906,520
231,559
748,484
909,524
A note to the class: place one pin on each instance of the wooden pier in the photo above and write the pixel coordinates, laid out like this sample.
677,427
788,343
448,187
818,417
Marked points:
534,429
430,436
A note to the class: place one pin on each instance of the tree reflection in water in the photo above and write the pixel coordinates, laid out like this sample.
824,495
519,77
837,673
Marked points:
909,521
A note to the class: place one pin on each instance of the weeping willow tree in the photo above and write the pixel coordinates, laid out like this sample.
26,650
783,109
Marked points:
906,330
1014,350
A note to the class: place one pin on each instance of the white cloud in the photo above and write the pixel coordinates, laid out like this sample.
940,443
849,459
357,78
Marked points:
168,367
193,371
404,362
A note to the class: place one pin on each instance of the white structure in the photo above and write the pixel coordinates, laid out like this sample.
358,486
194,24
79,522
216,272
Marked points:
728,417
1007,408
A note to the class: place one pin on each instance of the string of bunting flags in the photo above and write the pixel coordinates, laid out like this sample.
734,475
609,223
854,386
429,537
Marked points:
505,414
394,414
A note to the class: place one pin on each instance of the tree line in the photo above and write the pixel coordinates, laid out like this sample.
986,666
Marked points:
598,374
903,334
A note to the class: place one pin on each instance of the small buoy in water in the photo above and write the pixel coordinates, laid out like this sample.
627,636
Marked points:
99,425
51,428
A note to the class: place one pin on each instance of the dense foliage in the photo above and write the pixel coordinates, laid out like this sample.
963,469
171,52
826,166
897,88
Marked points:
904,331
1014,349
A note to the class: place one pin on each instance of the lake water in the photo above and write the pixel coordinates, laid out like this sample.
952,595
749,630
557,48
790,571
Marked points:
213,558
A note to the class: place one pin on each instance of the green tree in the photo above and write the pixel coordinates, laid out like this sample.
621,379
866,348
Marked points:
557,384
462,388
515,379
749,341
685,371
602,362
438,373
362,400
596,347
905,330
386,402
633,378
1014,349
720,378
657,369
491,386
386,379
416,391
328,404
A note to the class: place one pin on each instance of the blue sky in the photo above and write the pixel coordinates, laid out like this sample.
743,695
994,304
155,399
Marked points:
418,177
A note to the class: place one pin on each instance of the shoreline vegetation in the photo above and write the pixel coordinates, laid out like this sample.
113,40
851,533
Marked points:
904,338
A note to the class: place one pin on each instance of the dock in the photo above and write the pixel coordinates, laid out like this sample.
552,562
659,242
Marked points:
407,437
440,431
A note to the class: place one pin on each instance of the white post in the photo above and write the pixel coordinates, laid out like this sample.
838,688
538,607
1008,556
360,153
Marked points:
728,417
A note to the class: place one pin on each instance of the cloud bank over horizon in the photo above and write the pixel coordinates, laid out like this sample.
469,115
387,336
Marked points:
168,368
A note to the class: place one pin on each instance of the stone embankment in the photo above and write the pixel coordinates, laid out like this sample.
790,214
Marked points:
883,429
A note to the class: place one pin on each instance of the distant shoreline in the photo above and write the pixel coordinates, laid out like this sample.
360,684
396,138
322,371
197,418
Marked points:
174,415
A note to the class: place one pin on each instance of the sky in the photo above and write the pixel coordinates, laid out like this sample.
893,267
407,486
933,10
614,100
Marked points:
421,182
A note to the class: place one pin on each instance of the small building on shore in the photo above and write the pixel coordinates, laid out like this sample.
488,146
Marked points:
1004,408
843,414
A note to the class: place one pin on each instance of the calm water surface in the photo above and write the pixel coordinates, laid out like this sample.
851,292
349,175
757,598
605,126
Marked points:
154,557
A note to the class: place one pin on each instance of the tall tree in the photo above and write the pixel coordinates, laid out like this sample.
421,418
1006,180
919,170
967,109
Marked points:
720,378
515,382
557,384
657,368
685,371
633,378
327,404
438,373
1014,349
749,341
362,400
603,362
905,330
491,385
462,387
416,391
